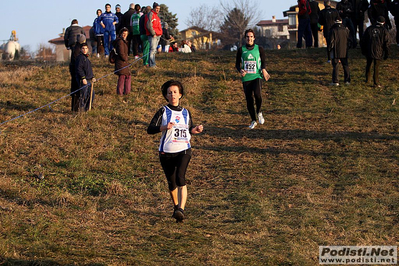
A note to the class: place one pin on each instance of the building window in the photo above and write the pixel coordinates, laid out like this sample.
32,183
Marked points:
292,20
280,28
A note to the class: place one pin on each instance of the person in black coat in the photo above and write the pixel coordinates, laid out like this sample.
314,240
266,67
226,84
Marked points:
314,21
119,14
327,18
71,34
81,39
359,9
374,44
85,77
340,41
379,8
346,11
125,22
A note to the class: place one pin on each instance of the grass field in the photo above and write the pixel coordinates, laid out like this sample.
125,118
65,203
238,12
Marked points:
322,170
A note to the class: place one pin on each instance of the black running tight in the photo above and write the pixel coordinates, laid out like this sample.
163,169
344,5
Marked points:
253,88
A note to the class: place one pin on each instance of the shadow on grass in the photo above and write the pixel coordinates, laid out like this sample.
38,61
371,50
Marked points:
17,106
242,131
268,150
15,262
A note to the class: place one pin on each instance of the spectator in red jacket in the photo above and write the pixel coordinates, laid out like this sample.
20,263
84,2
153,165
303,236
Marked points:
154,31
304,24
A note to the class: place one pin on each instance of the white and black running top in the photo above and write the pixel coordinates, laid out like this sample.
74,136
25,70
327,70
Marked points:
177,138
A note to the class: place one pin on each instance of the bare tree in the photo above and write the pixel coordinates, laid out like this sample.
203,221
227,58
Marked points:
247,14
206,18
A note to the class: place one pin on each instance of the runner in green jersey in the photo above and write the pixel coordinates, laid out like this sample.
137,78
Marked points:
251,64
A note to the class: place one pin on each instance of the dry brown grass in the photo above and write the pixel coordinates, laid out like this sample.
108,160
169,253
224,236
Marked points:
321,171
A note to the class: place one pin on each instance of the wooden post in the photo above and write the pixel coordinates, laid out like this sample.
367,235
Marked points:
91,95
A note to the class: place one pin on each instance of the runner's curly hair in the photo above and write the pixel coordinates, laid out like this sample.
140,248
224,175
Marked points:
169,84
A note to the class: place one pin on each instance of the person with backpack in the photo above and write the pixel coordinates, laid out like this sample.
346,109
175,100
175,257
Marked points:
327,19
304,24
374,45
122,63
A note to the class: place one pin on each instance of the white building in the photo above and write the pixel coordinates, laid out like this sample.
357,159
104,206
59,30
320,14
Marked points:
274,28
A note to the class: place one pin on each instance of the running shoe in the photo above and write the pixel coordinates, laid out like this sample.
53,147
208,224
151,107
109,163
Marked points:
252,125
179,215
261,119
176,207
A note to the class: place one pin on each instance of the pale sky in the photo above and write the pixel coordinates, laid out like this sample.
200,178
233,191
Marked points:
37,22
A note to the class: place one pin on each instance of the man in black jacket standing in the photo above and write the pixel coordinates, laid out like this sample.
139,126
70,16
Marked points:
71,34
314,21
327,18
125,22
340,41
374,44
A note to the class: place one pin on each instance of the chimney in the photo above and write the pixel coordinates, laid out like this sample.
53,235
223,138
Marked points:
273,19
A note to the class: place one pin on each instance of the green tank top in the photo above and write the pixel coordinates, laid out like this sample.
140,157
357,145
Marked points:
251,63
135,24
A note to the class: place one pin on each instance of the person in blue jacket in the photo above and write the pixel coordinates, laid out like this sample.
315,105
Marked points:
99,32
108,21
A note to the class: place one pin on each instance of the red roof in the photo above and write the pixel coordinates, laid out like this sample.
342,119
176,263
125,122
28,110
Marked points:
61,38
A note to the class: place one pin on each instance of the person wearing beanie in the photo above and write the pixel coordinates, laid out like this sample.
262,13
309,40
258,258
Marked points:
118,13
374,45
154,31
340,41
